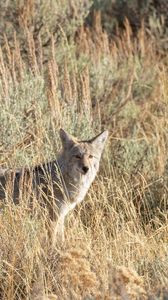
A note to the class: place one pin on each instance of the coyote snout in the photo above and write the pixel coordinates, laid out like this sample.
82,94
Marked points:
83,163
61,183
85,169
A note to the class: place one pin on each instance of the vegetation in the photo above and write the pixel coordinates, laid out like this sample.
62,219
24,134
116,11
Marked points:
56,71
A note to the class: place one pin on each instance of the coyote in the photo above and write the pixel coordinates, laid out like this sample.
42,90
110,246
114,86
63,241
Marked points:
60,184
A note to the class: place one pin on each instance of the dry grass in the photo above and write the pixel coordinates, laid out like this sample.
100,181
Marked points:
116,240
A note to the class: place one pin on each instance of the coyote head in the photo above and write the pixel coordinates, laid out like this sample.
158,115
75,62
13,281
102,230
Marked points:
81,158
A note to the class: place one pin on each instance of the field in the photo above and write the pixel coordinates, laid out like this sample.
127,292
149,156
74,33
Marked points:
77,77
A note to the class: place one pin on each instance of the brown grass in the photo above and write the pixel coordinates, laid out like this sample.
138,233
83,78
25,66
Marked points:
116,240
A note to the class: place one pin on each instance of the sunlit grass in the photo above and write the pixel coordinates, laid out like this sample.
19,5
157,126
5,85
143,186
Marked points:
116,240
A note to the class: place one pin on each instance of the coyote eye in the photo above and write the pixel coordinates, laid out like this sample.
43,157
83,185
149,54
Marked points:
90,156
77,156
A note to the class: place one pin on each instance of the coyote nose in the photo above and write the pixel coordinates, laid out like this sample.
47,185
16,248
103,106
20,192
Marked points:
85,169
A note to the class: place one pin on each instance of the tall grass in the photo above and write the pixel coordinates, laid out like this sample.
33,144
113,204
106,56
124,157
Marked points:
116,240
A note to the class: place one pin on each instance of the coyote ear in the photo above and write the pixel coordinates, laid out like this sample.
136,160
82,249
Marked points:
66,139
99,140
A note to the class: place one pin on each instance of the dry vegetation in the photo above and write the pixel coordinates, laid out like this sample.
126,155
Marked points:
116,244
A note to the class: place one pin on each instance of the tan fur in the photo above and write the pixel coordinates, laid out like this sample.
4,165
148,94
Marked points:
63,182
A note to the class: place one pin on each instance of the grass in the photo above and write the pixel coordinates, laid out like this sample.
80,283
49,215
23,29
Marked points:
116,240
